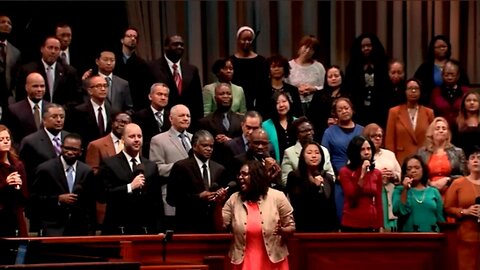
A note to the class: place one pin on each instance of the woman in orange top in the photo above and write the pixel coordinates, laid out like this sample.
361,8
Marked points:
445,161
461,203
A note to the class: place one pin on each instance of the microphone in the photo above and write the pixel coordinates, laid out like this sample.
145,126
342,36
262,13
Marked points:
14,169
315,174
230,185
139,169
477,201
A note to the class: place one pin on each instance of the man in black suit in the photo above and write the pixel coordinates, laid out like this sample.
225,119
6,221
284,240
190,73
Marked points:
25,117
62,84
133,68
45,143
223,124
155,119
252,120
94,115
132,189
63,192
182,79
9,62
195,185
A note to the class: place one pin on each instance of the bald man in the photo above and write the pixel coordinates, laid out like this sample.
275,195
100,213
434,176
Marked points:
131,185
25,116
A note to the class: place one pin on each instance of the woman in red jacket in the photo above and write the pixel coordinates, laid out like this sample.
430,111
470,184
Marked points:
362,187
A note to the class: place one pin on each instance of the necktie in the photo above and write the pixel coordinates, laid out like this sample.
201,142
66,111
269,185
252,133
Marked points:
134,164
185,144
226,122
119,145
109,82
36,115
177,78
63,55
205,176
57,145
100,121
70,178
51,81
158,116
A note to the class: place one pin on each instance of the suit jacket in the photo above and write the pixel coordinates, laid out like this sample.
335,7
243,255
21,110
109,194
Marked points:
165,150
191,87
58,219
120,98
236,146
13,56
149,125
214,124
66,90
291,157
98,150
136,71
400,136
19,119
184,186
138,212
88,129
35,149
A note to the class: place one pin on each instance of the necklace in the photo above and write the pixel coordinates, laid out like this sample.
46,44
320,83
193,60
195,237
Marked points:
417,200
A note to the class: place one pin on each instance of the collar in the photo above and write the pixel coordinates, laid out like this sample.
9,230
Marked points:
103,75
65,165
162,111
114,138
170,63
137,157
45,65
96,106
178,132
200,163
33,104
51,136
66,51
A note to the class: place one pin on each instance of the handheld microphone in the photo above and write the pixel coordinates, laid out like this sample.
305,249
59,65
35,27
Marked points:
230,185
477,201
139,169
322,185
14,169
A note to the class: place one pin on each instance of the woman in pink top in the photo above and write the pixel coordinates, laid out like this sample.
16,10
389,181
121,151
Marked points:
260,219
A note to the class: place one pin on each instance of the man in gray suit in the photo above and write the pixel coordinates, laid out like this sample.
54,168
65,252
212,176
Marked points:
119,94
9,62
169,147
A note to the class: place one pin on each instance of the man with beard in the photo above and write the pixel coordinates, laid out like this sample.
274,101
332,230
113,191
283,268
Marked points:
133,68
195,185
132,186
63,192
25,117
9,62
223,124
182,79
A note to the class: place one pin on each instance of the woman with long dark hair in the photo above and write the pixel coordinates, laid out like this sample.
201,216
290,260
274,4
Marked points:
260,219
13,190
362,186
466,133
311,192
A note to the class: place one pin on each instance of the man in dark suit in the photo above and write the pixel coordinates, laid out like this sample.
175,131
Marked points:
194,186
132,189
62,84
119,94
9,62
223,124
63,192
182,79
133,68
45,143
25,117
155,119
94,115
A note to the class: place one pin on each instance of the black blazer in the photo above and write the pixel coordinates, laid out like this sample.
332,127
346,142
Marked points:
19,118
67,90
35,149
191,87
214,124
138,212
63,219
83,120
148,123
184,186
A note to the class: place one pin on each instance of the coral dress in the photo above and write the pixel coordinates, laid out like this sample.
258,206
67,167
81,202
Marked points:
256,257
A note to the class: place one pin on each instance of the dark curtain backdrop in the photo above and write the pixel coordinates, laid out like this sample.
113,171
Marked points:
209,27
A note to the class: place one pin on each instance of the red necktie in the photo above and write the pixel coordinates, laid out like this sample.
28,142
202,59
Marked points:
177,78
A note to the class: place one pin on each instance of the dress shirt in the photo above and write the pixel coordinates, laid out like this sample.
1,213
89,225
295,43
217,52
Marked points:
187,139
67,55
104,113
170,65
162,113
66,166
116,142
52,137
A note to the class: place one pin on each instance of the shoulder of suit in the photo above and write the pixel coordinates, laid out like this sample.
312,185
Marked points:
119,79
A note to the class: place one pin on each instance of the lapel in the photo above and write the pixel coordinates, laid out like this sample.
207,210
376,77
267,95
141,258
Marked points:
114,90
46,143
217,119
176,141
59,73
298,149
198,175
108,145
404,119
123,163
62,177
26,110
421,119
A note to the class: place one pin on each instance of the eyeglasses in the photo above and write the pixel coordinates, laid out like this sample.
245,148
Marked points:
376,136
100,85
